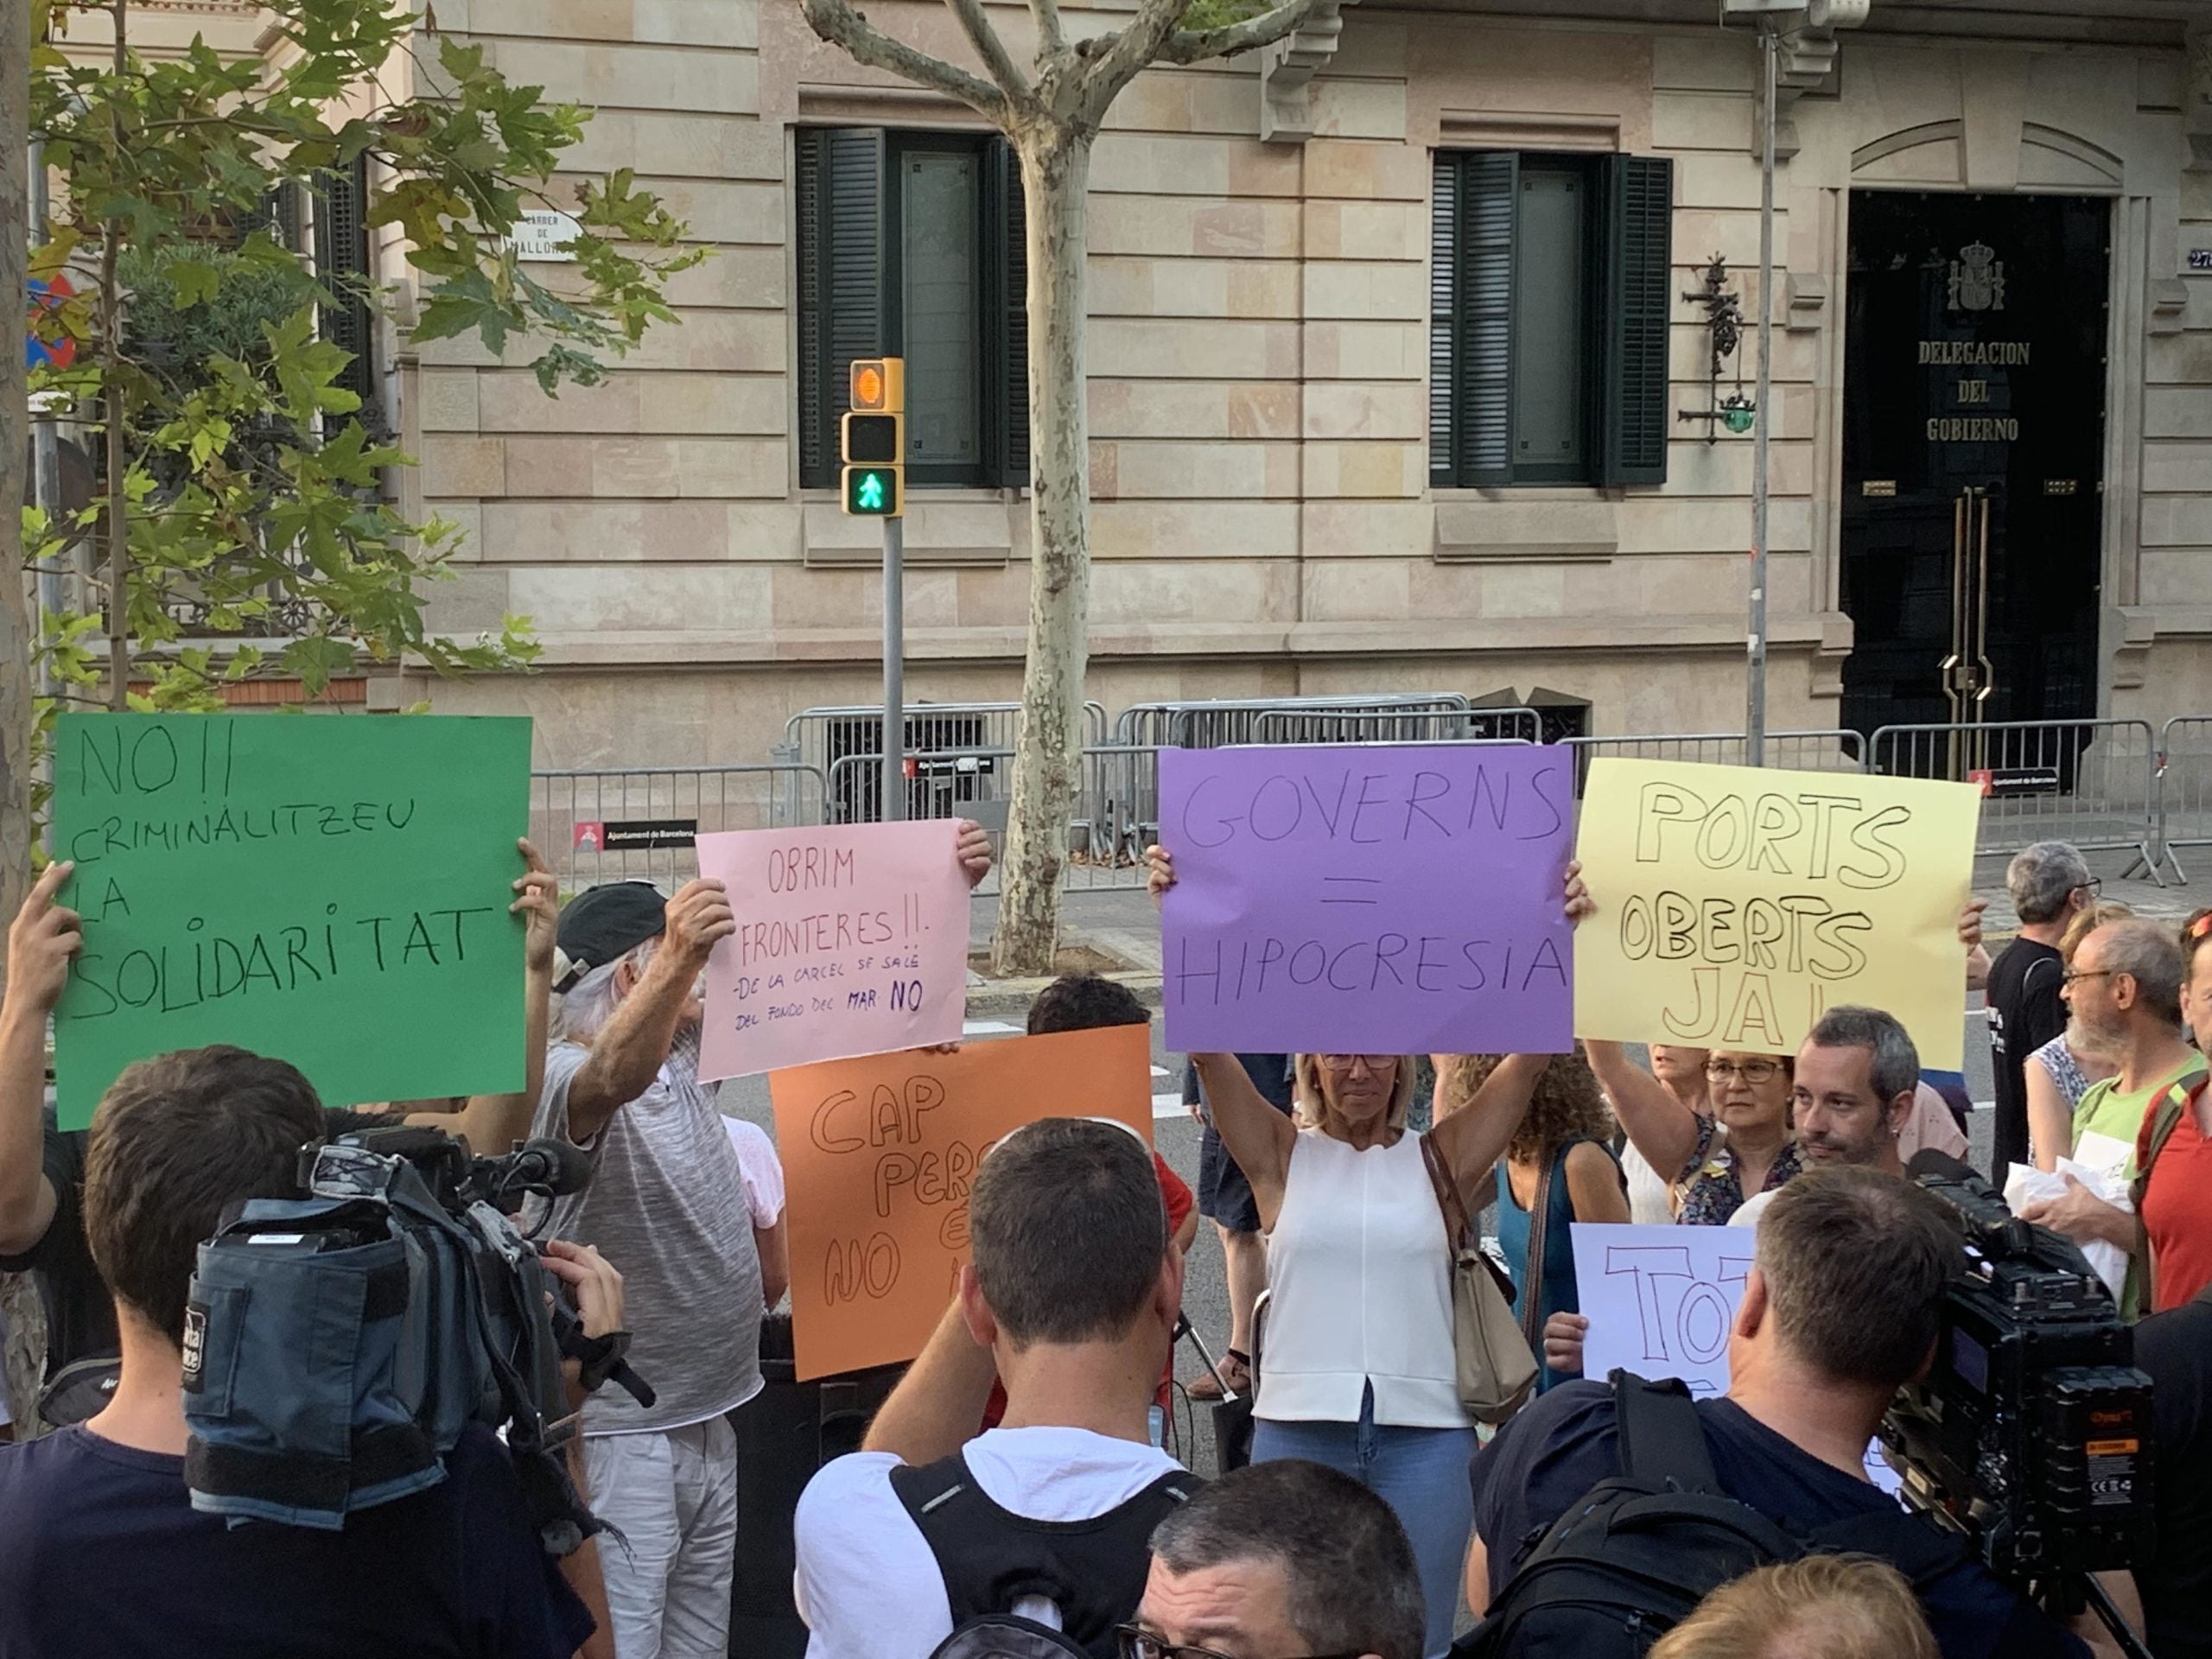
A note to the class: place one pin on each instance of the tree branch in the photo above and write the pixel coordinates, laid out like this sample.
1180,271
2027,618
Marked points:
1050,36
985,39
1120,56
1195,46
836,21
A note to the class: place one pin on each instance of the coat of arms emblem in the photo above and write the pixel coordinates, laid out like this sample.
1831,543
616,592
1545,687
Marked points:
1977,279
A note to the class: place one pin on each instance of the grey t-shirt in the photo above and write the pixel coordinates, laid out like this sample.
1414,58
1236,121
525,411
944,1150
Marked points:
666,1205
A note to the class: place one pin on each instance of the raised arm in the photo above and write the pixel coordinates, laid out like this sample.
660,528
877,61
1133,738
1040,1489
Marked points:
630,1052
938,1405
1663,1130
1256,1135
491,1123
43,938
1474,1138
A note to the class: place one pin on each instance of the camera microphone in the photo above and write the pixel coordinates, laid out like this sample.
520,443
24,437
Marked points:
550,1166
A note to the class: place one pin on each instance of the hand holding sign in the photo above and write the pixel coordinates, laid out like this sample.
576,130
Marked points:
1736,905
1370,899
1660,1301
832,941
330,891
879,1155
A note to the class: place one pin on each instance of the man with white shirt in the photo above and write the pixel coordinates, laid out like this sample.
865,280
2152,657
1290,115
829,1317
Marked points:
1071,1301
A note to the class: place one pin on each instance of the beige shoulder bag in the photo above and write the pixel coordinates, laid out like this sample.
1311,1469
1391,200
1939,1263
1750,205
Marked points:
1496,1366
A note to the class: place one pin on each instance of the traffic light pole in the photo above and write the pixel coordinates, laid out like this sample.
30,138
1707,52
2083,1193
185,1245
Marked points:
894,670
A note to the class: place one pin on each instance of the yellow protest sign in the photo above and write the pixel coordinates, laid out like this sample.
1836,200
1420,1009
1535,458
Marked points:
1735,903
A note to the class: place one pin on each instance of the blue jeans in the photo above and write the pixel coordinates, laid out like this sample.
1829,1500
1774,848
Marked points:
1420,1472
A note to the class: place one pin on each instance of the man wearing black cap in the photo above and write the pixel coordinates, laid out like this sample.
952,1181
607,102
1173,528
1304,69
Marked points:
666,1192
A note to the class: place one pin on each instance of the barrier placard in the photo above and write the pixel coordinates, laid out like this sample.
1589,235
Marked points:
878,1156
1735,903
330,891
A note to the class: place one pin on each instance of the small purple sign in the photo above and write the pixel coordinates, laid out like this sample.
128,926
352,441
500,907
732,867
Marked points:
1339,899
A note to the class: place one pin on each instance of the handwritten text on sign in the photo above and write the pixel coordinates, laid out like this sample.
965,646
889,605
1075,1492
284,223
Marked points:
880,1155
851,939
1660,1301
1735,904
1338,898
331,892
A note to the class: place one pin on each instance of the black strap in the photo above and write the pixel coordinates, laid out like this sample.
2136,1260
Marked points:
1661,1438
989,1557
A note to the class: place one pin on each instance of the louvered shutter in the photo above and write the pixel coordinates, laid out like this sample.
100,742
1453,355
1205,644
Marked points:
840,214
1006,264
1639,233
1443,315
341,263
1490,197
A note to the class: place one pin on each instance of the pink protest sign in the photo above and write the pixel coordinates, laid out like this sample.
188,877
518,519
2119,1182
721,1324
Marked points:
851,939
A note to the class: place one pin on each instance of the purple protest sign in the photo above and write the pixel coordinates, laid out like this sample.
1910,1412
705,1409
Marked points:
1346,899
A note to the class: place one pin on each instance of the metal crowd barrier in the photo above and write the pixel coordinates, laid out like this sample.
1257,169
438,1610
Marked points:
1215,724
631,823
1832,749
2092,783
821,737
2185,788
1397,725
1112,823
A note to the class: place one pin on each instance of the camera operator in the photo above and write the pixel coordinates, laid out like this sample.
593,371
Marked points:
101,1551
1841,1309
2175,1348
42,1169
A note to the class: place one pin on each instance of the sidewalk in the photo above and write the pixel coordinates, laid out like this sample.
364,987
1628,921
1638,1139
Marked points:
1123,924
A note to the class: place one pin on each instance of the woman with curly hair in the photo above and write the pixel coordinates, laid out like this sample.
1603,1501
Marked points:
1558,1169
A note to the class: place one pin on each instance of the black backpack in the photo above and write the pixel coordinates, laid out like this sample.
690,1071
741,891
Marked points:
1093,1570
1636,1555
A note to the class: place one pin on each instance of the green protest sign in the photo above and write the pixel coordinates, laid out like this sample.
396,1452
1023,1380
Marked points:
330,891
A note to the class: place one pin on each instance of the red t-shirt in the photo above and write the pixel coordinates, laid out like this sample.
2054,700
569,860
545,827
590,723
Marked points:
2175,1213
1176,1194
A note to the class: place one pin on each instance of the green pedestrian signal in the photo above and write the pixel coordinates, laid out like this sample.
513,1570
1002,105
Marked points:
872,492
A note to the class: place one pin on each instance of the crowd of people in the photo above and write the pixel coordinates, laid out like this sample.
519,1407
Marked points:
1012,1495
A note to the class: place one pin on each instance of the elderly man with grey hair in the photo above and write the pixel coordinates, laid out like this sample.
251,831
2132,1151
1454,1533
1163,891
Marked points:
2048,883
2125,992
1282,1561
666,1199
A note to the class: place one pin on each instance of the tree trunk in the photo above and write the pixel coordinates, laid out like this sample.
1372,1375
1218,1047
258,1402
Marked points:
22,1354
1048,751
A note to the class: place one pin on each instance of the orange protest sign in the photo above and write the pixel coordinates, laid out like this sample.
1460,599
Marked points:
880,1153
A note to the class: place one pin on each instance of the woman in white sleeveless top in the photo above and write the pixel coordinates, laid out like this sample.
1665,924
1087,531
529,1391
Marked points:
1358,1370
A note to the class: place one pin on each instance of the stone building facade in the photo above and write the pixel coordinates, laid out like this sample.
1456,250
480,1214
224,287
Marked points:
1992,359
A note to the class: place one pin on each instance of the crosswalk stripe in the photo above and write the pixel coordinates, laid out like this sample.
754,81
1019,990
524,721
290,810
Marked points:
1169,1105
986,1028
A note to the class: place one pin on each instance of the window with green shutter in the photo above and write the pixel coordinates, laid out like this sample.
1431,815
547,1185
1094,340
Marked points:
1548,291
912,245
341,250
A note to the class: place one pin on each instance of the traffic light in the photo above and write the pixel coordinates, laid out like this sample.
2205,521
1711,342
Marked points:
872,439
873,491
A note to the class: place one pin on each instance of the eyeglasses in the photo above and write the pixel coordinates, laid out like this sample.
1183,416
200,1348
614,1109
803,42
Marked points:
1748,1071
2093,887
1346,1062
2073,974
1143,1644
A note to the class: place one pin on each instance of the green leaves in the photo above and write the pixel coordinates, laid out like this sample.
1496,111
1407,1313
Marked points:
260,536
